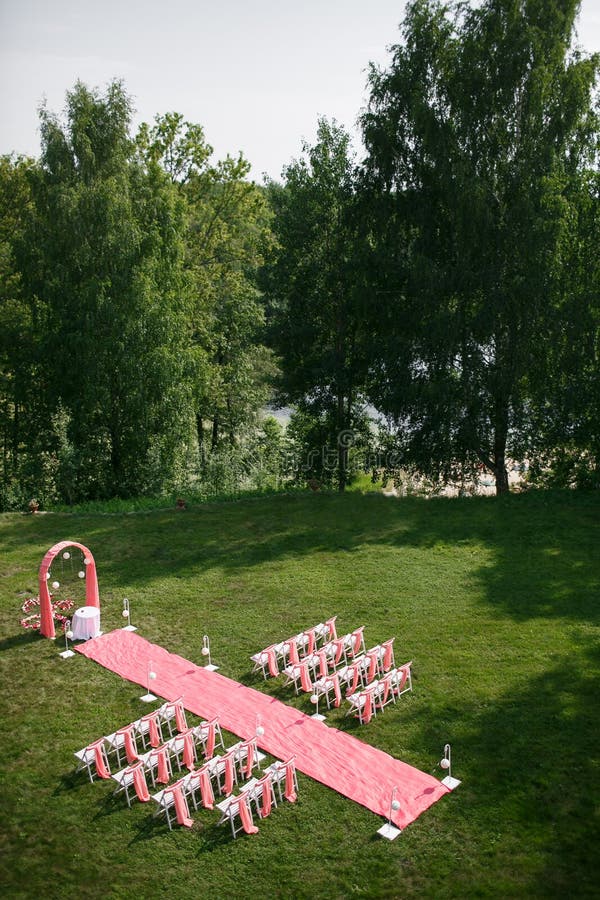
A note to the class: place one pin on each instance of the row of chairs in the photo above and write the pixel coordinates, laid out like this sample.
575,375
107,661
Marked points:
283,653
260,792
359,668
204,737
217,776
366,703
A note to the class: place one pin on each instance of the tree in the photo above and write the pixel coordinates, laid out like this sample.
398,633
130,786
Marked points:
475,136
313,287
103,254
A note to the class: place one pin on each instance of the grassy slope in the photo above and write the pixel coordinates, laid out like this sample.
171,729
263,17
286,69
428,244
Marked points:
495,601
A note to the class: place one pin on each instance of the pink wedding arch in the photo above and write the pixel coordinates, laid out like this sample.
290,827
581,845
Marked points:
91,584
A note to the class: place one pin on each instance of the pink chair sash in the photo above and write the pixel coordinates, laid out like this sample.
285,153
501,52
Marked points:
404,673
367,712
357,639
246,816
336,689
305,681
130,747
101,767
356,674
385,681
272,660
206,789
188,749
139,783
388,654
323,667
163,768
181,808
210,739
228,773
266,797
294,657
180,716
155,736
290,793
249,761
373,656
331,629
339,649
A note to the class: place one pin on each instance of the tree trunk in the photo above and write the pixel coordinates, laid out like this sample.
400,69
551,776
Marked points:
200,435
215,433
500,437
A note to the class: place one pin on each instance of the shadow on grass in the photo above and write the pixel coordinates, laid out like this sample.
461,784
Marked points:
19,640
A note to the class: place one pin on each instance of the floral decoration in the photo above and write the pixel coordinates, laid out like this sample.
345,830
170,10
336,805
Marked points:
33,619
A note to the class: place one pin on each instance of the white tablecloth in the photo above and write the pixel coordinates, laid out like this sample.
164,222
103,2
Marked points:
86,623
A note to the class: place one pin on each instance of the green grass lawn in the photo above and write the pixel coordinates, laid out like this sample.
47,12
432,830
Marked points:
495,601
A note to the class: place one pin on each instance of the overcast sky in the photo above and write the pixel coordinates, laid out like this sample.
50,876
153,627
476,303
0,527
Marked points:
256,74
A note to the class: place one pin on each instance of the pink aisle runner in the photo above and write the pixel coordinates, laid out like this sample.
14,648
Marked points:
336,759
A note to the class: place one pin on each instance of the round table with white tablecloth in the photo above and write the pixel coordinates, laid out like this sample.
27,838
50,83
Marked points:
86,623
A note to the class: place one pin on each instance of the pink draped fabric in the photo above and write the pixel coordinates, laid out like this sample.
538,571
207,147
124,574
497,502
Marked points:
385,681
188,749
180,720
357,640
272,661
266,796
355,677
181,808
367,775
100,759
323,667
336,689
305,682
155,735
206,791
246,816
373,656
310,634
339,649
163,767
290,792
139,783
250,747
294,657
129,743
210,740
228,759
388,655
331,629
403,670
367,712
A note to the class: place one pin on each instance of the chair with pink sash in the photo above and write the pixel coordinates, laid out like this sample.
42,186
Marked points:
401,679
183,748
172,714
157,762
266,662
198,787
133,779
354,643
149,729
123,740
284,777
208,735
224,770
329,687
363,704
94,760
236,810
248,757
262,794
172,803
299,676
354,674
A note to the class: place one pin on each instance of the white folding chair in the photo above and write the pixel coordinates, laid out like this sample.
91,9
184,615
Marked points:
401,681
201,734
151,762
220,765
256,794
176,746
117,742
94,760
165,801
283,775
143,728
172,714
126,780
298,674
231,811
363,703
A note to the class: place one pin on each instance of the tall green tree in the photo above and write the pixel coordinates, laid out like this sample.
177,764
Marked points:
314,289
475,135
104,256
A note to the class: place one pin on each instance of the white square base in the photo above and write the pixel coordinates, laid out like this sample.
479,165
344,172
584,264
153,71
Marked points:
66,654
389,832
211,667
148,698
129,628
318,716
450,782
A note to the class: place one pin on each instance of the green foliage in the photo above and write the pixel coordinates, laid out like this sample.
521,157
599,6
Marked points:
478,135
